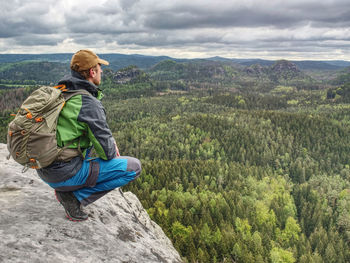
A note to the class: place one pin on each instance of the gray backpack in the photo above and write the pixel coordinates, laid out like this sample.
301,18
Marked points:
31,138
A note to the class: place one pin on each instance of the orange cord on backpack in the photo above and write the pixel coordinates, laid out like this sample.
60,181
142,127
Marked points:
29,114
61,87
39,119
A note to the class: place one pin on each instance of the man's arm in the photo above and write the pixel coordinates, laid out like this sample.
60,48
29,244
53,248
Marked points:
93,114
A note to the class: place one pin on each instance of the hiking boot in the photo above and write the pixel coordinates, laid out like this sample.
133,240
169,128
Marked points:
71,205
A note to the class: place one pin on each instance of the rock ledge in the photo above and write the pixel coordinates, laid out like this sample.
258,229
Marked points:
33,227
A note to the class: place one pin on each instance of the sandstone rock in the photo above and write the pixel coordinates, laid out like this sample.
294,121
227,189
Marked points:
33,227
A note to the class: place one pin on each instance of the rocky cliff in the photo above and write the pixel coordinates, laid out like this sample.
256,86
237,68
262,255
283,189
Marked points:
33,227
127,75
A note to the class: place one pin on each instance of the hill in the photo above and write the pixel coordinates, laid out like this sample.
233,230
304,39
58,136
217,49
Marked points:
32,72
221,74
200,71
117,61
342,77
227,73
284,71
143,61
302,64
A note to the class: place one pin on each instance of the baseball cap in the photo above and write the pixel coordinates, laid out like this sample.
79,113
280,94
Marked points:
85,59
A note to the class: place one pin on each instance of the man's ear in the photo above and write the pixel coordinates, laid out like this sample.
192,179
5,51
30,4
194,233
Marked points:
92,72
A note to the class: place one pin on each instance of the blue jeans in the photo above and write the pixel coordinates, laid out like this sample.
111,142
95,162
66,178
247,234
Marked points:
97,177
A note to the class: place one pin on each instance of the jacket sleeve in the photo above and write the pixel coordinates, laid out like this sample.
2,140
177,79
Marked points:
93,114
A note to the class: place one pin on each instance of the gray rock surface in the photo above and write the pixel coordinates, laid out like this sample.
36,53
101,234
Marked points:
33,226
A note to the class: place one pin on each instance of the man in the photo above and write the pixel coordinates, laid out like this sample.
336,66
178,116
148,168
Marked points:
76,177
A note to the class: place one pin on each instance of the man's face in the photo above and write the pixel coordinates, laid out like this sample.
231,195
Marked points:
97,76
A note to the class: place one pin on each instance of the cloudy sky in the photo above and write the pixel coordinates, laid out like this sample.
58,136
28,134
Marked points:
271,29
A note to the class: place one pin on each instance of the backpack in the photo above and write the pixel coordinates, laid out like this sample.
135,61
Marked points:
31,138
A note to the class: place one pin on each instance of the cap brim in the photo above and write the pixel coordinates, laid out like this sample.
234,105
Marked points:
102,61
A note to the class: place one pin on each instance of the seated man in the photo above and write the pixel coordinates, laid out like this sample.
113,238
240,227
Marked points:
76,177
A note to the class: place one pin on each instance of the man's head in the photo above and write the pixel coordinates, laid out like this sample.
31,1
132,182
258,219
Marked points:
88,64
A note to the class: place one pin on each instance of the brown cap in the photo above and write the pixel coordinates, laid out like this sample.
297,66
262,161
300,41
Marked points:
85,59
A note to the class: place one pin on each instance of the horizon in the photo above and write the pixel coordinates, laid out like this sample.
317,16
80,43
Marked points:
212,57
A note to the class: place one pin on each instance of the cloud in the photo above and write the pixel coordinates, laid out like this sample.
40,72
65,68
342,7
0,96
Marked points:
29,17
201,27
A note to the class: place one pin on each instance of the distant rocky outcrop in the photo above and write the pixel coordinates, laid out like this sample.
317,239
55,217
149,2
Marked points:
284,71
256,70
280,68
284,65
281,72
129,74
33,227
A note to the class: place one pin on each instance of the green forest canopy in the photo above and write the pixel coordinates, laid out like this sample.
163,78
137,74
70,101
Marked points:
238,172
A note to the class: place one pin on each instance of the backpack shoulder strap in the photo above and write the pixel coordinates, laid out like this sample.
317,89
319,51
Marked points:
67,94
70,93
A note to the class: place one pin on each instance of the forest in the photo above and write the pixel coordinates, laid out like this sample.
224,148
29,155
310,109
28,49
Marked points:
240,163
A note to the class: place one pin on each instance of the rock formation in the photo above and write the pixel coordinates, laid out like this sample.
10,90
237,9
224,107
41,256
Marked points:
126,75
33,227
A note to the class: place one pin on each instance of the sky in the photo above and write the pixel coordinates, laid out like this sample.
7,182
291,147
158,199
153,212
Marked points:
267,29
